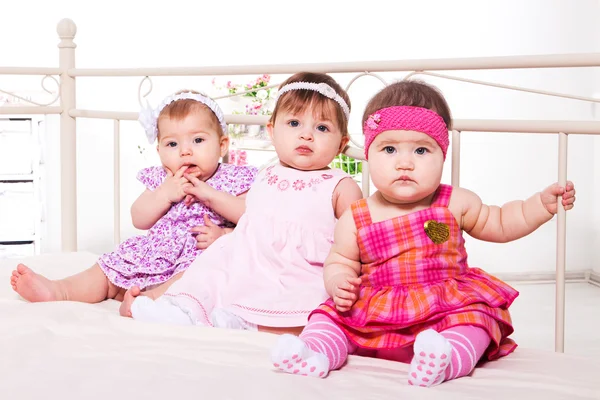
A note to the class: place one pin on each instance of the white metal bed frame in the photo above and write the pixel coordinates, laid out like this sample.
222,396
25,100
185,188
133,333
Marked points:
68,111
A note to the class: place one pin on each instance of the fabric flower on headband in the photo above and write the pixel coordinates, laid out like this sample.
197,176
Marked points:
327,90
149,119
373,121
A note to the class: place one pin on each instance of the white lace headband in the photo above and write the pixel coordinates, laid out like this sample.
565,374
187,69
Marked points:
148,116
322,88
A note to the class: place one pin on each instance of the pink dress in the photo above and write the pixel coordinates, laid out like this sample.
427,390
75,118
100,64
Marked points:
169,247
412,281
269,270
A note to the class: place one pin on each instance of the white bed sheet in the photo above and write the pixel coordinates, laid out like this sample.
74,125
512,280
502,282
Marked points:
79,351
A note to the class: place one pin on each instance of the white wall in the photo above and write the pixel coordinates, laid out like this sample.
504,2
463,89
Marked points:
500,167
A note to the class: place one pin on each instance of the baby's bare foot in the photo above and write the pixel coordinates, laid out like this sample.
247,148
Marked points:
130,295
34,287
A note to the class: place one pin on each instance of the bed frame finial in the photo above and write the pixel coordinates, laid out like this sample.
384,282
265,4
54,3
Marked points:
66,30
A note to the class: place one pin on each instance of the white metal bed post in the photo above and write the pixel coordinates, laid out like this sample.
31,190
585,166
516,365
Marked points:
68,175
455,158
366,178
561,240
117,181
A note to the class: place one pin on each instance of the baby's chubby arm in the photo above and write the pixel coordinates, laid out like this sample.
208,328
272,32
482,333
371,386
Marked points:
514,219
229,206
342,266
345,193
151,205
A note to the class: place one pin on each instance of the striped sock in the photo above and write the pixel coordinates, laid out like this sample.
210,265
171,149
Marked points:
468,345
431,358
321,347
453,353
322,335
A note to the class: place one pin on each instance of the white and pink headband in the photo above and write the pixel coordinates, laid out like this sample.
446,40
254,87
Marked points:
321,88
406,118
148,116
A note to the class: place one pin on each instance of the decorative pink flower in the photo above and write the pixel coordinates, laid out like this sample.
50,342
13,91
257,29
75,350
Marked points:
373,121
266,78
273,179
299,184
230,85
283,185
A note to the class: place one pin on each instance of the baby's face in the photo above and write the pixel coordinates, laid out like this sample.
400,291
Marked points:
405,166
193,141
305,141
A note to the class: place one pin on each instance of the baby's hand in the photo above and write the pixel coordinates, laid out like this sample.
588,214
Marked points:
345,292
208,233
550,194
174,185
197,191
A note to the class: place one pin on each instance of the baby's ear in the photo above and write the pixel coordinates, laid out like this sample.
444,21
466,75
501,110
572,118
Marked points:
270,129
224,143
343,144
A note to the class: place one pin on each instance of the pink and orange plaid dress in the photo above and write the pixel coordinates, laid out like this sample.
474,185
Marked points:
411,283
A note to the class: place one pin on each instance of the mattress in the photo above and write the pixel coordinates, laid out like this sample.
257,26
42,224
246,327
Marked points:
71,350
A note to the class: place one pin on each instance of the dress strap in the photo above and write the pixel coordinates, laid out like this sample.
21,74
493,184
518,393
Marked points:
361,214
442,196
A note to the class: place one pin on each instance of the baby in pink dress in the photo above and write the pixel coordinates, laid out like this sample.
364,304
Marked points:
190,129
268,274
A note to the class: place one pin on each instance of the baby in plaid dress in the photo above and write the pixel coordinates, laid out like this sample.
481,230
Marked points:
397,274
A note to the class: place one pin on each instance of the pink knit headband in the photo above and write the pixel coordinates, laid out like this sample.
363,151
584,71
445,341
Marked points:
406,118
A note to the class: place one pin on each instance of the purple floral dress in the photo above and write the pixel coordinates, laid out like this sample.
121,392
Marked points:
169,247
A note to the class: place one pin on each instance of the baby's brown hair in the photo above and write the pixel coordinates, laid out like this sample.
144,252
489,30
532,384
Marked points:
295,101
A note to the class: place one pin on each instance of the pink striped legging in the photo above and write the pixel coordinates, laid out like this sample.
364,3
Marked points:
468,342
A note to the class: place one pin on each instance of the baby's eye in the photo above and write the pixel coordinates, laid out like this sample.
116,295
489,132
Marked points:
294,123
389,149
198,140
323,128
421,150
171,144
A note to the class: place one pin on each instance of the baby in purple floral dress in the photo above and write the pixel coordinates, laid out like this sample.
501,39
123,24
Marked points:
189,201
